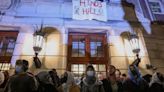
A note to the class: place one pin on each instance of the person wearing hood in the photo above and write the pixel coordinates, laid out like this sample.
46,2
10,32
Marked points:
55,77
111,84
135,82
90,83
21,81
157,83
68,83
118,75
45,82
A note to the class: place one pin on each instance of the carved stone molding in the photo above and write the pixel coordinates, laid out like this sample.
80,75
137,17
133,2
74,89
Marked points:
5,4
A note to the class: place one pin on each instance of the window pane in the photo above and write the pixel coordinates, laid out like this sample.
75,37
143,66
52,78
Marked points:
9,52
74,67
78,46
102,68
81,45
93,45
96,67
82,67
78,69
99,43
81,53
96,46
74,45
100,52
74,52
155,7
93,53
11,42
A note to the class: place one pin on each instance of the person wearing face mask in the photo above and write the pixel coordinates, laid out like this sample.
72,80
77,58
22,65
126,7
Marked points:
90,83
21,81
135,82
68,83
111,84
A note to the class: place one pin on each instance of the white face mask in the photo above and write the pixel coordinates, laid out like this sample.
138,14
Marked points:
90,73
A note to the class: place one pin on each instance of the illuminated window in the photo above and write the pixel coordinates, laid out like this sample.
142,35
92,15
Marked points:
79,69
7,44
100,68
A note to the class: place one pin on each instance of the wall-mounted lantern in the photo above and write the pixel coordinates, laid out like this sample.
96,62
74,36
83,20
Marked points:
38,40
134,42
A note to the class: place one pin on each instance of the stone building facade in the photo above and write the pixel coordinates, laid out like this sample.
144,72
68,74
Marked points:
26,15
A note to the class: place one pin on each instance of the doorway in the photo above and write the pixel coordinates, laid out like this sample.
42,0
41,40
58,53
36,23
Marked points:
87,48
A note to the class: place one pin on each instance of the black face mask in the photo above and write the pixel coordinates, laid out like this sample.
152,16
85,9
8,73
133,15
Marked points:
64,79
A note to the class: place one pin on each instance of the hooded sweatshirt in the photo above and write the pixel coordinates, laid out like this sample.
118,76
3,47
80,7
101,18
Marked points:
70,85
96,86
135,84
45,82
132,78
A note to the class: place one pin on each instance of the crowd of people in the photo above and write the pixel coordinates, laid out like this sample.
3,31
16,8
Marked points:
49,81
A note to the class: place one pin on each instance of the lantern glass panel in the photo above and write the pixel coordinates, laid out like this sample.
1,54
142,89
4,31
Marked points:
38,43
134,42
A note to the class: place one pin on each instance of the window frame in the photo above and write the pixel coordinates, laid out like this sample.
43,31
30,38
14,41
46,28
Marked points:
160,5
6,59
87,59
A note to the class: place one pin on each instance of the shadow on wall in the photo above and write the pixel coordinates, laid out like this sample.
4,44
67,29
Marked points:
131,17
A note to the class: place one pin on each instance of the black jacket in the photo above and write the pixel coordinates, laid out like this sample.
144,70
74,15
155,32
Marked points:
130,86
21,83
108,88
156,87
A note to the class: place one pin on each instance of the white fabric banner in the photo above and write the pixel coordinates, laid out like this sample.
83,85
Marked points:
89,9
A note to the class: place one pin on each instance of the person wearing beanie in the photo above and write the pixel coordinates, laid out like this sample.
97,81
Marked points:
90,83
21,81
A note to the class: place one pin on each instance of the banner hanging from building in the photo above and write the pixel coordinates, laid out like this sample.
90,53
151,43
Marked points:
89,9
